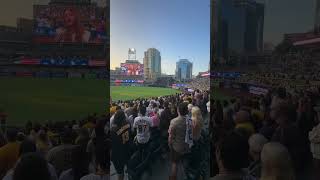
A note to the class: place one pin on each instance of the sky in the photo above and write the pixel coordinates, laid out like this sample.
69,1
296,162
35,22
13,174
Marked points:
177,28
287,16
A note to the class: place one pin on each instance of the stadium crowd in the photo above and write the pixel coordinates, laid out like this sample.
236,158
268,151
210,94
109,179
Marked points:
272,136
283,79
145,130
61,150
202,83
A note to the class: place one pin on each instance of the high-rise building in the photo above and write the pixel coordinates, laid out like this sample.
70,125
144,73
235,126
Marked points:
152,64
183,70
317,17
240,25
213,31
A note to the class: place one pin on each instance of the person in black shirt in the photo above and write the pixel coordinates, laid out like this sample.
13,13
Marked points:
165,118
121,138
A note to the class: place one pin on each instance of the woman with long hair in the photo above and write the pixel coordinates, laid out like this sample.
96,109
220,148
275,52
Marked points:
276,163
197,122
198,159
72,31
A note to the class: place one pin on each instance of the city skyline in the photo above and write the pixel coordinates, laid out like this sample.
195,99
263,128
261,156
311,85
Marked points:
140,60
178,29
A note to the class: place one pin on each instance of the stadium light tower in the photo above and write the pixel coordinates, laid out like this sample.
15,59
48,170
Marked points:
132,54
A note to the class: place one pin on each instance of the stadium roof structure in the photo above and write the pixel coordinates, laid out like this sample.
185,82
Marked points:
315,40
312,44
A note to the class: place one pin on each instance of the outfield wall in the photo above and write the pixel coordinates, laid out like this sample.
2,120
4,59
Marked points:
46,74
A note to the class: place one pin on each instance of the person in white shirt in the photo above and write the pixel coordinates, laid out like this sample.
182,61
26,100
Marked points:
149,108
142,124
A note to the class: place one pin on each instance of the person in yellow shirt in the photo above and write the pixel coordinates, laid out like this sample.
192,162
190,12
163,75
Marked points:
257,111
43,142
9,153
113,109
242,121
258,114
89,124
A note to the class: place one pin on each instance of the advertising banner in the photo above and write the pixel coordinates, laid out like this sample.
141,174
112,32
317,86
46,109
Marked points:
59,75
24,74
74,75
43,74
91,76
97,63
256,90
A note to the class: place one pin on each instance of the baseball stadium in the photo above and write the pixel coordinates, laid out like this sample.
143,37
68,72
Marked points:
53,66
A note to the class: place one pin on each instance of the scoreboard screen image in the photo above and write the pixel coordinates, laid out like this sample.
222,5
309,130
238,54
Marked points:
131,69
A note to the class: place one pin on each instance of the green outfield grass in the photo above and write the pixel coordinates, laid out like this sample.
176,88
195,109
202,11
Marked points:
41,100
51,99
131,92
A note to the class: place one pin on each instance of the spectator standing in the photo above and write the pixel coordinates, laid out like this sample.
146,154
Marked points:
197,159
32,166
102,164
177,133
9,153
256,143
120,138
129,110
314,137
142,124
232,157
83,137
28,146
276,163
80,165
242,121
43,143
60,156
288,134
